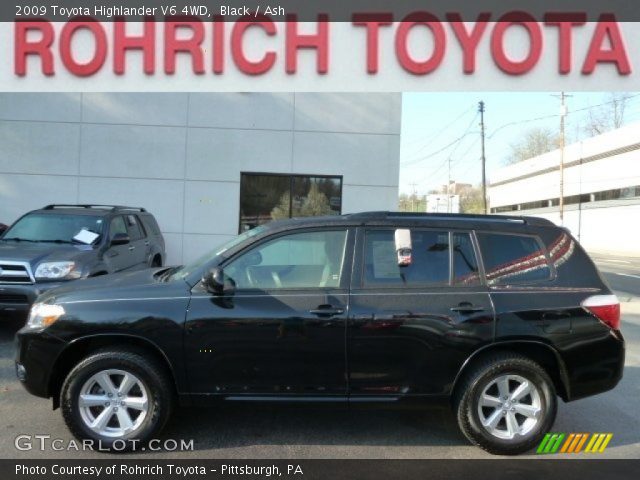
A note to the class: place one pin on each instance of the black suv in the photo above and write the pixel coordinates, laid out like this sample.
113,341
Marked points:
497,315
48,247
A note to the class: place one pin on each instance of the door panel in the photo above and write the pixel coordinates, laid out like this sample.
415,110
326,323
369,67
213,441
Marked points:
411,328
283,331
413,343
267,344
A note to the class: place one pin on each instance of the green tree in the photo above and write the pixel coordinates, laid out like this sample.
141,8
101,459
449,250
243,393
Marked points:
315,203
281,210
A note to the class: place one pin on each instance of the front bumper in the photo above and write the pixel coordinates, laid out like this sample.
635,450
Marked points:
36,354
17,299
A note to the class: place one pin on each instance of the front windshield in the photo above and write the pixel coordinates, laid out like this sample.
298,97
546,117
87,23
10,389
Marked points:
51,227
186,270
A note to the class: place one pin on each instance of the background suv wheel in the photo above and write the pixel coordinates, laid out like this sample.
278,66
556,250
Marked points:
506,404
115,395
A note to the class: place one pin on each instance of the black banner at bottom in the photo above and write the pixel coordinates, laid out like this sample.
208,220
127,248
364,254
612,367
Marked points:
493,469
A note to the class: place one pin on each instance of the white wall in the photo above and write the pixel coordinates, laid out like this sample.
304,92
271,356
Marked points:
180,155
604,226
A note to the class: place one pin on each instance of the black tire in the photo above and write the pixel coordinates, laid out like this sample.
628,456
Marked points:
156,262
160,394
468,392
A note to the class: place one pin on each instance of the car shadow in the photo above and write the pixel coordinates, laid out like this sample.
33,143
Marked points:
242,425
9,325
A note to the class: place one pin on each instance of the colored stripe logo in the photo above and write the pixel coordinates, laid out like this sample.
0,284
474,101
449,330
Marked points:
574,443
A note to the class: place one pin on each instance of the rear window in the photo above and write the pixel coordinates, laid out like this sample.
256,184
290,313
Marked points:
150,224
510,259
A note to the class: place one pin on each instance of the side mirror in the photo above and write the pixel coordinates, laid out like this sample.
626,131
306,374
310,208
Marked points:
120,239
403,246
217,284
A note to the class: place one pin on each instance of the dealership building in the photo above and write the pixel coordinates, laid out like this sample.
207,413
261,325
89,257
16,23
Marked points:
601,190
206,165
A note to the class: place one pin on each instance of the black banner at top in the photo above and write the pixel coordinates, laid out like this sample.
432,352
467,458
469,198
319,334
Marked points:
310,10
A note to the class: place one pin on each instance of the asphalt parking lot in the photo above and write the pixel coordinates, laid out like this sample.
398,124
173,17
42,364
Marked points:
306,432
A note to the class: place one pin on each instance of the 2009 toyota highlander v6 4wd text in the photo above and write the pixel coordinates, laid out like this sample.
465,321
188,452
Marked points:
498,315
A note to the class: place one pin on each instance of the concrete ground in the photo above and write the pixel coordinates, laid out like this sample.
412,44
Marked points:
247,431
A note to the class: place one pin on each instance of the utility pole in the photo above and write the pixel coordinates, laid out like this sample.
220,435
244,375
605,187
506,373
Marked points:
449,186
563,113
413,195
484,160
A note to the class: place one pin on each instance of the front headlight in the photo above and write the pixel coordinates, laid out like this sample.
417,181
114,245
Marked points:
43,315
57,271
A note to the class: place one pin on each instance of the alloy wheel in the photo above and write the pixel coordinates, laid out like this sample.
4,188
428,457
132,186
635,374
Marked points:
510,406
113,403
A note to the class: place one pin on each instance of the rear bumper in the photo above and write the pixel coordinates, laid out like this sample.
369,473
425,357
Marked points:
596,367
17,299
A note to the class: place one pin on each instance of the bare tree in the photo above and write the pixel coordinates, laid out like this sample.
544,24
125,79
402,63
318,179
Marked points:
535,142
471,200
608,116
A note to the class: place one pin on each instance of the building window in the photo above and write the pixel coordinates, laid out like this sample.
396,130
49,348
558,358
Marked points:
266,196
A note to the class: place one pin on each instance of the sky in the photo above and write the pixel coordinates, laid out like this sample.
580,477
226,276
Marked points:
437,127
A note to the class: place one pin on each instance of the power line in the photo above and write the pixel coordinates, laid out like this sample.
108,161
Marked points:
555,115
428,140
434,173
447,146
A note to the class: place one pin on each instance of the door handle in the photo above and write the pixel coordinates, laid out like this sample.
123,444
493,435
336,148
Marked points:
466,307
132,248
326,311
146,244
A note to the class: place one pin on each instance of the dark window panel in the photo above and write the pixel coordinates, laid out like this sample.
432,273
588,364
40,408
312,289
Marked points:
512,259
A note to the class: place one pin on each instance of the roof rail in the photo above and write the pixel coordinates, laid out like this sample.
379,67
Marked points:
113,208
382,215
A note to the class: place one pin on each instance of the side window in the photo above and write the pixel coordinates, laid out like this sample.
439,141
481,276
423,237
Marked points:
117,226
513,259
299,260
465,264
429,265
150,225
133,227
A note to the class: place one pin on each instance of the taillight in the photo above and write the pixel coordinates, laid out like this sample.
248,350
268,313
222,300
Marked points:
606,308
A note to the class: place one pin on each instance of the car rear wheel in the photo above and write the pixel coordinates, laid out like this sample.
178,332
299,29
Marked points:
118,399
506,404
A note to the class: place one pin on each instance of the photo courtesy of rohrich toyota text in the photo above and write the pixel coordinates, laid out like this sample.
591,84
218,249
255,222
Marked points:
367,239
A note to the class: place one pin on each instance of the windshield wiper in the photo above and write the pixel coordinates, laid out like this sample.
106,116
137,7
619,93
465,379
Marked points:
163,275
53,241
18,239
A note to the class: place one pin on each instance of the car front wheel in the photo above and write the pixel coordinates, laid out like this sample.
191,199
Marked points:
118,399
506,404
